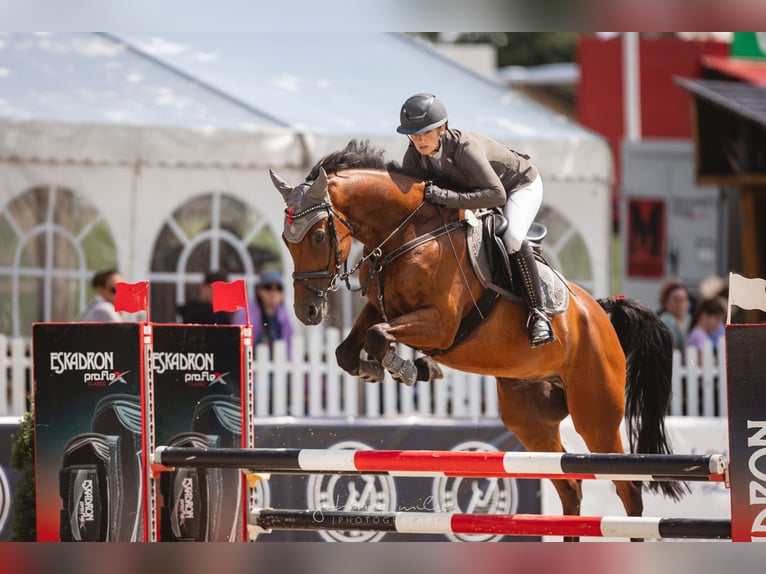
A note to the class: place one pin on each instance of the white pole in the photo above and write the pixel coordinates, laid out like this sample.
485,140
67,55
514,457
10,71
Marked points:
631,79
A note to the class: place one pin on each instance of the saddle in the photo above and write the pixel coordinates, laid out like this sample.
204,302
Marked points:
492,265
490,261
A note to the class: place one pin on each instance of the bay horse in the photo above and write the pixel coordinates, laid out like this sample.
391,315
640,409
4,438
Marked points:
611,358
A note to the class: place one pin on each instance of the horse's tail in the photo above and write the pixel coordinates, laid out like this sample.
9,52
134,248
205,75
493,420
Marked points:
647,345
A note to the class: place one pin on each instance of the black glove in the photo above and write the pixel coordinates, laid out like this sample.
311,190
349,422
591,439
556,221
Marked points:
435,194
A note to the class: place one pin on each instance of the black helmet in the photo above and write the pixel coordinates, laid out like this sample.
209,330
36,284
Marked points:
421,113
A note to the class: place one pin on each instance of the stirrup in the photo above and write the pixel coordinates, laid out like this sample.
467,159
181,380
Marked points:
536,315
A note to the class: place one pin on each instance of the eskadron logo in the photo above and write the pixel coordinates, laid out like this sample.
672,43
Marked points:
97,367
85,508
198,368
186,502
64,361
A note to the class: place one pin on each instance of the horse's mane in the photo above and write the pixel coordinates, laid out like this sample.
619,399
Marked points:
356,155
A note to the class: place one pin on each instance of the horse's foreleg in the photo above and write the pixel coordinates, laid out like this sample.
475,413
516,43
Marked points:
419,330
348,352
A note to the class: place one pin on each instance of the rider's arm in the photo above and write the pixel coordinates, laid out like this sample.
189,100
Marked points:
486,188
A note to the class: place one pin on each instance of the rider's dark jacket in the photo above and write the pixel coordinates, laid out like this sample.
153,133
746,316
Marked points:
486,171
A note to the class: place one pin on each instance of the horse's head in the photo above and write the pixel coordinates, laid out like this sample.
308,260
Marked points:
311,233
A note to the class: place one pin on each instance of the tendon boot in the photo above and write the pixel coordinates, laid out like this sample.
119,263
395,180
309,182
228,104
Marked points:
539,329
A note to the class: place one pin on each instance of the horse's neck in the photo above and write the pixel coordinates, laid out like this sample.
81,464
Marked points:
374,211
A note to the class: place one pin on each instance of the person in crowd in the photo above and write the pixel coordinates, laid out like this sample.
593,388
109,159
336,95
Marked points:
707,321
716,286
269,317
674,311
489,175
101,308
200,310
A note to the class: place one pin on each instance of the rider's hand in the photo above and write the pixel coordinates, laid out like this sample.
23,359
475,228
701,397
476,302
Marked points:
435,194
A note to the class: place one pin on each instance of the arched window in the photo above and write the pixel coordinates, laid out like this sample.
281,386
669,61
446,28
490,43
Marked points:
210,232
51,243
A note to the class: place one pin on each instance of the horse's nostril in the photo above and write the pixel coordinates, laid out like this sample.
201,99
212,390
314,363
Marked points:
312,311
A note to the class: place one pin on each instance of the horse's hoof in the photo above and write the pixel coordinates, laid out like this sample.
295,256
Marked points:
428,369
371,372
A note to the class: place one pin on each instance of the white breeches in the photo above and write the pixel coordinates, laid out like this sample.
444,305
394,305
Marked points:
521,210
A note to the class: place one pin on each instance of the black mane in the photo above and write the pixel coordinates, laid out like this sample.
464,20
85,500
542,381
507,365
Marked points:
356,154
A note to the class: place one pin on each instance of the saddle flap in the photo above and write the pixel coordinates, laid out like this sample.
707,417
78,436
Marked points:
487,252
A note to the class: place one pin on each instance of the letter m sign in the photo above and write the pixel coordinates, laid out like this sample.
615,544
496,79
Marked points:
646,238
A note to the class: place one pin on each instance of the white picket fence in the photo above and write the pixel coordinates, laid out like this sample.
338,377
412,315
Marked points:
315,386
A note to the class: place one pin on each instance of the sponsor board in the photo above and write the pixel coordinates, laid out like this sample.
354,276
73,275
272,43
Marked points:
88,464
198,378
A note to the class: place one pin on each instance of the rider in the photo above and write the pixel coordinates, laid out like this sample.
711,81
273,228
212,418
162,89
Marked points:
492,175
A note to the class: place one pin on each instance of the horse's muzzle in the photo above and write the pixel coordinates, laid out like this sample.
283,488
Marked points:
311,313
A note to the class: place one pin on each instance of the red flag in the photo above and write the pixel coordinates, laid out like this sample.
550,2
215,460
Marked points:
132,297
230,296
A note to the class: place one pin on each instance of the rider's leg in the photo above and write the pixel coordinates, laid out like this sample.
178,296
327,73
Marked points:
520,210
539,329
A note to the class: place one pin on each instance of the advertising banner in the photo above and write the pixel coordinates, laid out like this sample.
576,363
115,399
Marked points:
88,431
386,493
198,373
746,381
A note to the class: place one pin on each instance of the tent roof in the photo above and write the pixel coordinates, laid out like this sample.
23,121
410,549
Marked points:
90,78
330,86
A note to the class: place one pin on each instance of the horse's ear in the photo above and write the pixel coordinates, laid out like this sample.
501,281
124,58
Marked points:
319,188
281,185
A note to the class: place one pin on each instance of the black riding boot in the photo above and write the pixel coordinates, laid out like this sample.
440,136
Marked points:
539,328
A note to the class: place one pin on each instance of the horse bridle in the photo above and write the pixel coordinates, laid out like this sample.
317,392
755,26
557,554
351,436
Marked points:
334,275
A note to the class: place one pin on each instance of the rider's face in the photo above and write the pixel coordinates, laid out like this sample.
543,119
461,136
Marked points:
427,142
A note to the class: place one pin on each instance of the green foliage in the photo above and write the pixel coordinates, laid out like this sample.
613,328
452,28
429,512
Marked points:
517,48
23,459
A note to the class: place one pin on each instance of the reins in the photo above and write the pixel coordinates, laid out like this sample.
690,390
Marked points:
375,256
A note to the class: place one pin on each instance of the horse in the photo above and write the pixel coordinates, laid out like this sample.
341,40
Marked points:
611,360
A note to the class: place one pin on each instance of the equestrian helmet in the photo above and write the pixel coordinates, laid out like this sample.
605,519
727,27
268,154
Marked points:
421,113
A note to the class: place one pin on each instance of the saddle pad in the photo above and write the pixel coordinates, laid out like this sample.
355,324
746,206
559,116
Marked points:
555,292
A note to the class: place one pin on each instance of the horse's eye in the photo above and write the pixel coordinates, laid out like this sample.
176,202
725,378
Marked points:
318,237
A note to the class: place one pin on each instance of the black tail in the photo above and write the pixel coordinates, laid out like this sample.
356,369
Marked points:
648,349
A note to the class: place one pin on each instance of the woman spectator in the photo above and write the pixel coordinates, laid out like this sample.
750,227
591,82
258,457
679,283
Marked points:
674,299
707,321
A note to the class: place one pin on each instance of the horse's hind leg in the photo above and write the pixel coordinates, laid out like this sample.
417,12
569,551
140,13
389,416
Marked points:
532,410
597,411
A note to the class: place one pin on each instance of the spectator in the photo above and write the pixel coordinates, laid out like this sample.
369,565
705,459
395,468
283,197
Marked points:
707,320
101,308
674,312
200,310
716,286
268,314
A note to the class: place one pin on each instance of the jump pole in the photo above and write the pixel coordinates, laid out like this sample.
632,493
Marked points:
636,467
265,520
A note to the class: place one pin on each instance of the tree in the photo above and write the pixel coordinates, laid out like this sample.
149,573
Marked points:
516,48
